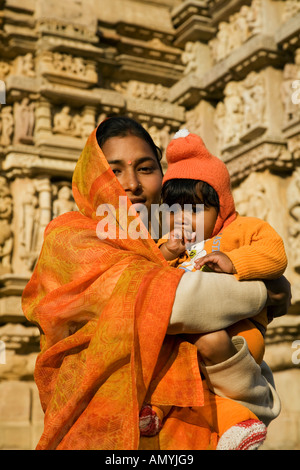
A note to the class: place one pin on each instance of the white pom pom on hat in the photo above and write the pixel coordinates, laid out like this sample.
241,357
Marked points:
181,133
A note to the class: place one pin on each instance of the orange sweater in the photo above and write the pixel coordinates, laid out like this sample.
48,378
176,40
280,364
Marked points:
254,247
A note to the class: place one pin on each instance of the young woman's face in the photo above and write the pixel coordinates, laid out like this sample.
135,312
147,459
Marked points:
136,167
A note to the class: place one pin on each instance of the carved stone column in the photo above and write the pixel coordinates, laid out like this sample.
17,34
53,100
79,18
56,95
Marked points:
43,127
43,187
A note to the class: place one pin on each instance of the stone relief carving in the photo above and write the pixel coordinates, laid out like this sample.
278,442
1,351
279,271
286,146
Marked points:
6,126
148,91
291,8
251,199
258,158
77,12
243,110
24,121
253,95
160,136
6,232
294,147
25,65
29,226
22,346
63,122
66,65
241,27
194,121
74,125
63,201
291,72
36,212
61,28
293,203
5,69
192,58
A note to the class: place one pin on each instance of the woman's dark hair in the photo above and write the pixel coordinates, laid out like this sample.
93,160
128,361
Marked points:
122,126
187,191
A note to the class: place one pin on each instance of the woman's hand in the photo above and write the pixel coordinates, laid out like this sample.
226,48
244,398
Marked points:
279,297
217,262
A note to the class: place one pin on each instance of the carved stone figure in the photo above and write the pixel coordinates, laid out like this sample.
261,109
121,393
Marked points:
244,109
63,122
64,202
219,124
6,233
253,95
190,58
30,215
255,17
164,137
148,91
26,65
293,202
66,64
291,8
24,121
6,126
161,137
4,69
221,47
291,73
251,199
240,27
79,125
234,115
242,24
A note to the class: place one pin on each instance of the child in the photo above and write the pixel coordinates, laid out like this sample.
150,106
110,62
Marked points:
248,248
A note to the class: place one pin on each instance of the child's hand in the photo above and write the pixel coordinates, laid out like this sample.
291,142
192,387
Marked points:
217,262
173,248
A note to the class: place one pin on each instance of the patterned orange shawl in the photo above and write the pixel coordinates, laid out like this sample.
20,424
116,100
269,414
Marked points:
103,308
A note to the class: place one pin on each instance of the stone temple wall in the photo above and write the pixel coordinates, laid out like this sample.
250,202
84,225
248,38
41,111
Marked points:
226,69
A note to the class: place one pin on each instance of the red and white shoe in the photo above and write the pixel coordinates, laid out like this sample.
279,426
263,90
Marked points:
149,423
247,435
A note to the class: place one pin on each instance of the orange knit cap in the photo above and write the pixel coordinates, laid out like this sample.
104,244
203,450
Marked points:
188,158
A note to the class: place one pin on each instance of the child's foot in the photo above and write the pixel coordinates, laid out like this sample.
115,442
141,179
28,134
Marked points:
150,424
247,435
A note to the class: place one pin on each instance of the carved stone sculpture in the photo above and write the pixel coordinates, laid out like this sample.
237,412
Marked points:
65,67
254,102
36,213
78,125
291,73
4,69
25,65
243,110
291,8
148,91
190,58
234,114
6,232
6,126
251,199
64,202
240,27
24,121
63,122
293,202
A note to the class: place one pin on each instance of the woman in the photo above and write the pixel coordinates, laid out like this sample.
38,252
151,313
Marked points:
105,305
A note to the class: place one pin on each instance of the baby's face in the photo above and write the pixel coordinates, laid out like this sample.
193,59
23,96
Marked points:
200,220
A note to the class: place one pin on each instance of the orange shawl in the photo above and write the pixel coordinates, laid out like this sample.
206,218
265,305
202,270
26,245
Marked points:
103,308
